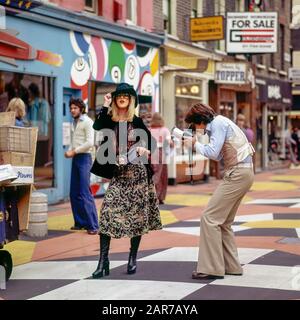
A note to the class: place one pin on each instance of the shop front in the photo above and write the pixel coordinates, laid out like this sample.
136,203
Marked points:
49,55
183,85
274,102
232,93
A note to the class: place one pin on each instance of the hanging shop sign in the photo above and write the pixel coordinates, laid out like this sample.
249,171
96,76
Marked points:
294,74
252,32
208,28
276,93
231,73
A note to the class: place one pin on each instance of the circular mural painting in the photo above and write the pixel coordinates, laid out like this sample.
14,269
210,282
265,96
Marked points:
128,47
116,74
80,72
116,61
147,84
132,71
98,56
80,42
143,54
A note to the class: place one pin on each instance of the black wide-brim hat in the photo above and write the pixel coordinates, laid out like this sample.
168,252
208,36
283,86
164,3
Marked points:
125,88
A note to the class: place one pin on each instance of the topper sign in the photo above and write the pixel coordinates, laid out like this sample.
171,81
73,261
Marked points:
230,73
251,32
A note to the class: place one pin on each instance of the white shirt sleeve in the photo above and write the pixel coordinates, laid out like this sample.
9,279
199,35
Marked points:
212,150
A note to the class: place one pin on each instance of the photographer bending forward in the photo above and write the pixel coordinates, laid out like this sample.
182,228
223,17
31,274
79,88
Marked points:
217,251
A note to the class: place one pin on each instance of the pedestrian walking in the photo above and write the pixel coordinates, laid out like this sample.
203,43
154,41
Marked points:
217,251
130,205
296,139
82,142
245,127
163,139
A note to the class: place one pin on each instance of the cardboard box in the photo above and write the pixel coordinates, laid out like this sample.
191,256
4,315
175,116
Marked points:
7,174
8,118
16,158
25,175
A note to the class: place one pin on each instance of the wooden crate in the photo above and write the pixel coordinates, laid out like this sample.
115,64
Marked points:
16,158
23,191
15,139
7,118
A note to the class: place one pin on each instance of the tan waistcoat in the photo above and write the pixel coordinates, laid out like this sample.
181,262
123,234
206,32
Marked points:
236,148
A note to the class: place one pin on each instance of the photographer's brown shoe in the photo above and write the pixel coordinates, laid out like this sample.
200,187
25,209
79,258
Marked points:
202,276
233,274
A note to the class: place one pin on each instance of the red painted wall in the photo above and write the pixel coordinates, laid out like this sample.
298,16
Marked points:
145,14
74,5
106,10
108,7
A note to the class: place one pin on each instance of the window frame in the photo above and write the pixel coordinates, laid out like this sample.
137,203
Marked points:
92,9
133,19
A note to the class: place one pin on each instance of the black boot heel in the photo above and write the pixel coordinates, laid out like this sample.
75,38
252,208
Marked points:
135,242
101,271
131,268
106,270
103,264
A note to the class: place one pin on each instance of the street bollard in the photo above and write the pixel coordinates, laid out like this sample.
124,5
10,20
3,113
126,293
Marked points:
38,215
2,278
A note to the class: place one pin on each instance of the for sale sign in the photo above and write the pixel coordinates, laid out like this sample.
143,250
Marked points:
251,32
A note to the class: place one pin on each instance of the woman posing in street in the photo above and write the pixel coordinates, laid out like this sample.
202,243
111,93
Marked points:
130,206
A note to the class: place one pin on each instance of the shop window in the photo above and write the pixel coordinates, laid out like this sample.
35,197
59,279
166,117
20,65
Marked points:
255,5
97,91
272,60
260,59
227,109
131,11
196,8
220,7
239,6
90,5
188,91
167,15
281,41
37,94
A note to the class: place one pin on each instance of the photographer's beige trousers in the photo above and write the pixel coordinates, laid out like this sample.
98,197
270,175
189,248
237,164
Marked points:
217,250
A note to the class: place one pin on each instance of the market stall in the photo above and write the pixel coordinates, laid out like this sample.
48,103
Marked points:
17,158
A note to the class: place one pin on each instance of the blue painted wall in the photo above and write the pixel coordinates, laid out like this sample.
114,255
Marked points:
86,49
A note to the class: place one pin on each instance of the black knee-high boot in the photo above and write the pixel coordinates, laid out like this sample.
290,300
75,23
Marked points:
135,242
103,264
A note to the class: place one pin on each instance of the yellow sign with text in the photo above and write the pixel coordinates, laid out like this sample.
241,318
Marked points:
208,28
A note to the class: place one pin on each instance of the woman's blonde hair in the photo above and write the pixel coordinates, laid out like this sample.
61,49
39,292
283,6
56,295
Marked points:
17,105
130,112
157,120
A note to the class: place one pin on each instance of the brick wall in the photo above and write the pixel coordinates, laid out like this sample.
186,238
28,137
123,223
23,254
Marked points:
183,11
209,10
284,15
158,19
145,14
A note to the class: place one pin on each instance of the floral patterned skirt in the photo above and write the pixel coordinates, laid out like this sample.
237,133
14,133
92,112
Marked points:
130,205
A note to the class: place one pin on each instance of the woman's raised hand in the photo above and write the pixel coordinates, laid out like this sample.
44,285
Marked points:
107,100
